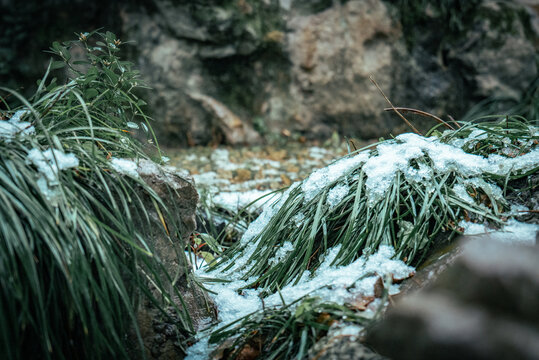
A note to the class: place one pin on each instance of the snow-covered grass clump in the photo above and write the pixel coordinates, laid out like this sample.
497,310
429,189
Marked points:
350,228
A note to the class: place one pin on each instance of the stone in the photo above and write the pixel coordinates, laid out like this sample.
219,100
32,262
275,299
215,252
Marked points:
482,307
180,198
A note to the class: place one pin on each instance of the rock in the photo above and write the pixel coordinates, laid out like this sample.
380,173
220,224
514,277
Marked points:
483,307
298,68
180,198
342,348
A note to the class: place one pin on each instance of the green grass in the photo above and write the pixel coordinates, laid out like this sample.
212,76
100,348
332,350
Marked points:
286,332
75,264
409,216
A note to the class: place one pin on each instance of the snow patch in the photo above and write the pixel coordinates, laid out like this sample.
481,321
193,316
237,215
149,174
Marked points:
14,126
124,166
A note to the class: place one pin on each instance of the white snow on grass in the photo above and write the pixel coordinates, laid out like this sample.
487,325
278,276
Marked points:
512,232
124,166
356,280
48,164
321,178
336,194
51,161
14,126
396,156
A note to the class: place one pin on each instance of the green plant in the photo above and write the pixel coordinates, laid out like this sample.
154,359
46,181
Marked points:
421,201
74,256
286,332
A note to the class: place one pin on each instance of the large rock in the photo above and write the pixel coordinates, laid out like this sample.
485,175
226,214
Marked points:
180,198
221,69
305,65
482,307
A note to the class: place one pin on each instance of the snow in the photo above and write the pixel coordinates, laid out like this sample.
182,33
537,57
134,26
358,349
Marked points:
347,283
336,194
321,178
234,200
14,126
513,232
124,166
48,164
396,156
51,161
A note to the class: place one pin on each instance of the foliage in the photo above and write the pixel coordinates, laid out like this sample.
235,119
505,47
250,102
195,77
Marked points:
74,260
409,216
286,332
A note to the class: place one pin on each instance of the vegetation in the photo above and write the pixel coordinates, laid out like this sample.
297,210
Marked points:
410,216
285,332
74,256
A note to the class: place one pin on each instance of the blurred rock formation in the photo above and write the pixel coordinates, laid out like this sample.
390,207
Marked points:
303,66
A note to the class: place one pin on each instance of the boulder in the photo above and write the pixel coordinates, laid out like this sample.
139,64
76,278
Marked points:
221,69
482,307
159,332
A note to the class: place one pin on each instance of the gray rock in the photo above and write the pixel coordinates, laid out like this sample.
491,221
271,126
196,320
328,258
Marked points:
180,198
483,307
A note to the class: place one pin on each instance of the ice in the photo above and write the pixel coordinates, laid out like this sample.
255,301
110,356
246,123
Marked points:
14,126
124,166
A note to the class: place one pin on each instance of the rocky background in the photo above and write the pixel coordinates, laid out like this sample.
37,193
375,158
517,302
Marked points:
246,71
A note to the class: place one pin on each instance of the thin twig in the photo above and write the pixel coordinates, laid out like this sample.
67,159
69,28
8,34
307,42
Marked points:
423,113
394,108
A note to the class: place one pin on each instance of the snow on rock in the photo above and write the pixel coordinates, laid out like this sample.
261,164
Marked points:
14,126
512,232
124,166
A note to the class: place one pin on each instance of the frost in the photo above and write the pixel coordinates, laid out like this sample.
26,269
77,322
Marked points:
124,166
14,126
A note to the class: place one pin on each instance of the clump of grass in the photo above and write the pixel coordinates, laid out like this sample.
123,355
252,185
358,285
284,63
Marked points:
74,256
286,332
410,215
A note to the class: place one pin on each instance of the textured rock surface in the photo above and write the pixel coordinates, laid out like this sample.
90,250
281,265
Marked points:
180,198
222,69
305,66
483,307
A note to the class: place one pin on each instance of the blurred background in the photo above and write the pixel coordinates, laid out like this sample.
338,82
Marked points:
238,72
